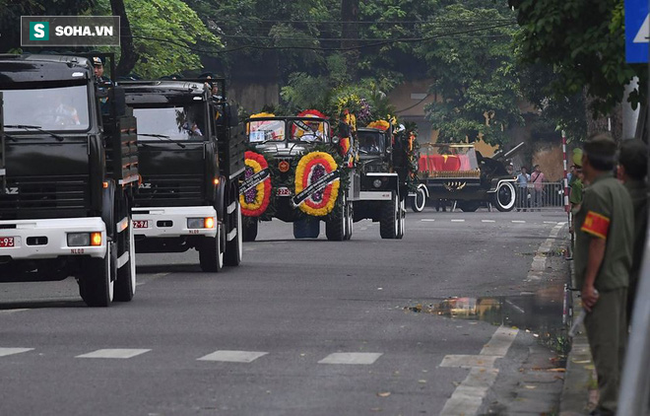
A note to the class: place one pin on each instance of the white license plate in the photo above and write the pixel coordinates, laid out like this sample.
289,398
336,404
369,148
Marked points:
139,224
284,191
7,242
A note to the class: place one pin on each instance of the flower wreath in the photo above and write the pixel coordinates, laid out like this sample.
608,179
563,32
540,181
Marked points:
317,184
255,200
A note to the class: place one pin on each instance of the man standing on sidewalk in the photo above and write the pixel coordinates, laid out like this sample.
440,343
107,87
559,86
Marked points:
537,178
632,170
603,257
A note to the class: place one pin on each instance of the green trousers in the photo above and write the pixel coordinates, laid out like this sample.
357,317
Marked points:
607,333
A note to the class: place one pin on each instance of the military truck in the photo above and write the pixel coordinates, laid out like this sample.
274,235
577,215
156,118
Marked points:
69,170
191,152
460,173
383,188
294,173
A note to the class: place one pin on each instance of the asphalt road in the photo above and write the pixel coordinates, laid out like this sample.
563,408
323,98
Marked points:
300,328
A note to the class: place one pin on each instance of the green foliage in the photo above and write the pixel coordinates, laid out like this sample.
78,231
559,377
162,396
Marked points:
475,80
164,32
584,41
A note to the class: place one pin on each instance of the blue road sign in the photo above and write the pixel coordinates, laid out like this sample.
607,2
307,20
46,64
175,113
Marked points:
637,31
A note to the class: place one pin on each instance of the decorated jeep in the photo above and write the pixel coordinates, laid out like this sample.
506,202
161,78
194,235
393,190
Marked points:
458,172
295,172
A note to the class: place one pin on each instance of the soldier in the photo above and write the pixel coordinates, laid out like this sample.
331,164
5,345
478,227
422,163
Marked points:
632,170
603,257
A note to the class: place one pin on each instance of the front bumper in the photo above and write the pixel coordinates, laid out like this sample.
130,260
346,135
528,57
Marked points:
172,221
51,238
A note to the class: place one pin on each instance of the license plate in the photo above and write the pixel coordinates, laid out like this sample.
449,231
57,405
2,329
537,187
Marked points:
140,224
6,242
284,191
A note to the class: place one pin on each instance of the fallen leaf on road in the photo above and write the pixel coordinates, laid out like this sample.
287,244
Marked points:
384,394
557,370
422,381
375,409
455,383
581,361
531,387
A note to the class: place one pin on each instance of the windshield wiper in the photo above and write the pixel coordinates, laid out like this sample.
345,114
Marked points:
162,136
38,128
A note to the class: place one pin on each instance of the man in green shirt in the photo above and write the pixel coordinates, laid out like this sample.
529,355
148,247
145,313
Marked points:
603,256
632,170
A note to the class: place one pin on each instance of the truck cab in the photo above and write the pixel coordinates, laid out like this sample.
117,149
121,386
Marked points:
68,176
191,152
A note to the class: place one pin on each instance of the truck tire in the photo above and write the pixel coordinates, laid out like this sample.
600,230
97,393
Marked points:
126,277
306,228
337,223
96,285
234,248
389,221
419,201
211,253
402,219
469,206
504,197
250,229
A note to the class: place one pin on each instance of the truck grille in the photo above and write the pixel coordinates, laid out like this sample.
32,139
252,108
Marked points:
45,197
171,190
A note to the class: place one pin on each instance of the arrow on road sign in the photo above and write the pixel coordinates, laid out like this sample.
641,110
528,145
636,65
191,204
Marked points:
643,36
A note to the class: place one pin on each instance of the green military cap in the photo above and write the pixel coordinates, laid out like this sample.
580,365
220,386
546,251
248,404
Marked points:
577,157
601,146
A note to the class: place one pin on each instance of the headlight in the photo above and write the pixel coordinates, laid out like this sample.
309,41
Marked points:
196,223
377,183
78,239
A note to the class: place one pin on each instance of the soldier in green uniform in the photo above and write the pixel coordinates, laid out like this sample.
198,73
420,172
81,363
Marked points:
632,170
603,257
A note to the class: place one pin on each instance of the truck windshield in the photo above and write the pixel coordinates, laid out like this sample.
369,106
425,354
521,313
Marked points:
266,130
52,109
371,142
175,123
310,131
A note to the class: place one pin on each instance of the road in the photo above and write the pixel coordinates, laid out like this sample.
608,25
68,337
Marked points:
303,327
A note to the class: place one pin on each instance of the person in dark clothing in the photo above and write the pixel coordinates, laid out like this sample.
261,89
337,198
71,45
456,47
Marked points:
632,171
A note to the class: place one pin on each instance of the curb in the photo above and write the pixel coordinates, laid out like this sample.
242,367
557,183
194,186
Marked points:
574,400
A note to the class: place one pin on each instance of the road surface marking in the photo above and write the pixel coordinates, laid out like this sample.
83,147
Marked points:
488,221
11,351
538,267
551,222
233,356
427,220
10,311
457,220
114,353
518,222
352,358
468,396
153,277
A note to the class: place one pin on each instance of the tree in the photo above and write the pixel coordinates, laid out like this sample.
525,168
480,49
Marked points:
584,41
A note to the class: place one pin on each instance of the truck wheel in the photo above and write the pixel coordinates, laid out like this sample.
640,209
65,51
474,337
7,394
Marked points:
306,228
336,224
468,206
234,248
504,197
211,254
402,219
389,222
126,277
96,285
250,229
419,201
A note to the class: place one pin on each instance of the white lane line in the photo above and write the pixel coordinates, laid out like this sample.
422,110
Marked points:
427,220
11,351
352,358
114,353
538,267
457,220
233,356
518,222
468,396
488,221
10,311
551,222
153,277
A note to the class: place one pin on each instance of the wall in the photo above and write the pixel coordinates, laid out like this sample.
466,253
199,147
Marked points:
254,96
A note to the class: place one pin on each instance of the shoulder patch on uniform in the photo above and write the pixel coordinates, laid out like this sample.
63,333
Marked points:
596,224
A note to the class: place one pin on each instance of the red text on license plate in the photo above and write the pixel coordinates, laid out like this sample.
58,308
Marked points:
284,191
140,223
6,242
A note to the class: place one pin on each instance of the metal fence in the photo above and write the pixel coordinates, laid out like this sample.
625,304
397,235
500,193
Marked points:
540,196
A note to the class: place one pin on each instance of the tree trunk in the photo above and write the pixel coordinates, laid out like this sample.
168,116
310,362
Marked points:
350,35
128,56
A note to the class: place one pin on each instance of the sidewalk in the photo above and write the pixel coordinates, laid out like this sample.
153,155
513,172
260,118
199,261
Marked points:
577,396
